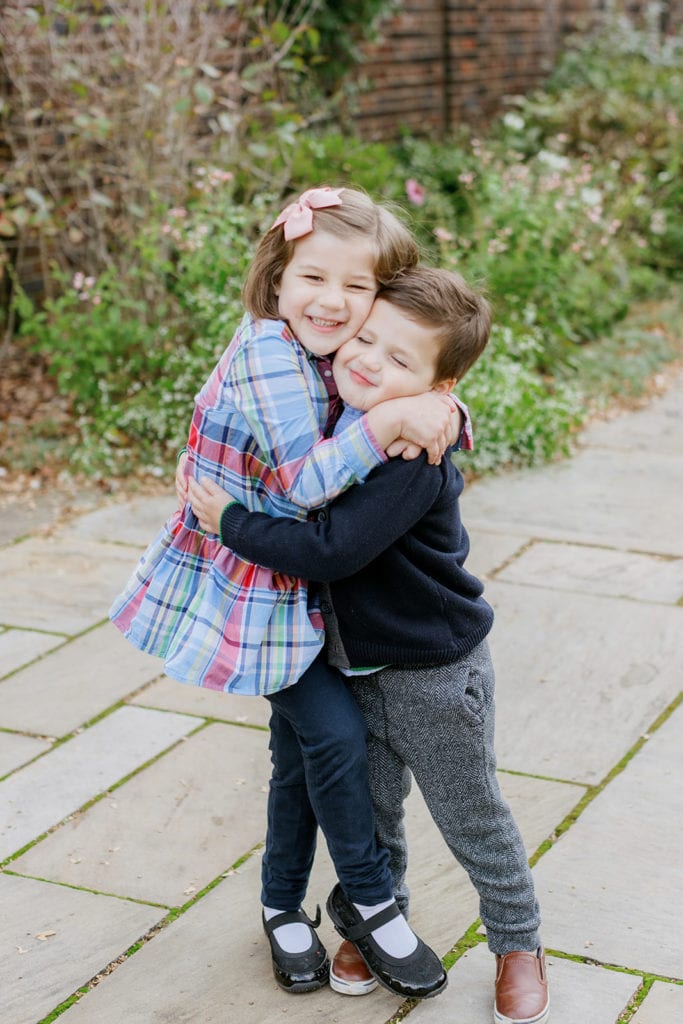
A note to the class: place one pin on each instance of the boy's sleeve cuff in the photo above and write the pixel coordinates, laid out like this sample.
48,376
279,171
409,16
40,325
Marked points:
232,518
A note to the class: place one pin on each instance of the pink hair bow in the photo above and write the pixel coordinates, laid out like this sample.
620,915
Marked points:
298,217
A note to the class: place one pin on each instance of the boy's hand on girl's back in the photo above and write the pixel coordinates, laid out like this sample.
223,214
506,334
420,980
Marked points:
208,501
181,481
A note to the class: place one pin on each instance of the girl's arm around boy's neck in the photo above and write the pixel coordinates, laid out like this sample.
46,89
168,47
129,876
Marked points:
430,421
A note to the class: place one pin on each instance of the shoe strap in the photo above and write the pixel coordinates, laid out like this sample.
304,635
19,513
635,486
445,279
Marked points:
363,928
291,917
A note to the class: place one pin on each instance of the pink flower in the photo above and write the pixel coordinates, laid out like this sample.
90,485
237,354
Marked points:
217,176
415,192
443,235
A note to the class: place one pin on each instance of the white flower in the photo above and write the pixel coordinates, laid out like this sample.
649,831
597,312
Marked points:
591,196
554,160
514,121
658,222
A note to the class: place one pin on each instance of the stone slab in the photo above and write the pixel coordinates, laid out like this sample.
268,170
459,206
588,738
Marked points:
19,646
611,886
83,933
16,750
579,677
82,679
133,522
598,497
171,829
489,551
656,427
662,1005
194,700
39,509
46,791
64,585
578,992
213,964
593,570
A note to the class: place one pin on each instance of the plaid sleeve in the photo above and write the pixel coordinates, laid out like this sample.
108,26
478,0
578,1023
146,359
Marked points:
466,439
283,403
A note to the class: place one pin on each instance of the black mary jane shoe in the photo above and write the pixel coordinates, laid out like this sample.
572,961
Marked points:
298,972
416,976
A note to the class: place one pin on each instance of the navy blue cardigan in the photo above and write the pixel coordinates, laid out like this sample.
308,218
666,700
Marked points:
393,550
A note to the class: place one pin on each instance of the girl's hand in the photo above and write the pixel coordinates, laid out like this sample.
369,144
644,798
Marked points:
408,450
181,481
430,421
403,448
208,501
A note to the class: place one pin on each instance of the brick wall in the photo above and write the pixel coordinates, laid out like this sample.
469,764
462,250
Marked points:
442,62
439,63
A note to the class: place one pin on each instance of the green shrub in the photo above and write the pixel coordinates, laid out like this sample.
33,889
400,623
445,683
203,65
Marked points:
340,27
615,99
133,348
520,418
567,213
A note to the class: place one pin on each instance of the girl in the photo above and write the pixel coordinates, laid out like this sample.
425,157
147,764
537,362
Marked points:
223,623
258,422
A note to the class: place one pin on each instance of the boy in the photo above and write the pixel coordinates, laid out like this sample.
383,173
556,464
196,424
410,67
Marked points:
400,600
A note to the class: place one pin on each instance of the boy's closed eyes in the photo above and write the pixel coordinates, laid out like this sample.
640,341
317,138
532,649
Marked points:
391,357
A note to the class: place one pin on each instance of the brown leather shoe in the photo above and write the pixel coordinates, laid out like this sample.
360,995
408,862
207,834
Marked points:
521,988
348,973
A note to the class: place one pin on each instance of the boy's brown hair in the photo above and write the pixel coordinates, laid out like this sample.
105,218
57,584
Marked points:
442,300
358,215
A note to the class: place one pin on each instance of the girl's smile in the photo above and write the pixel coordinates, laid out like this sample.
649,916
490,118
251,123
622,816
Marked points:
325,324
327,289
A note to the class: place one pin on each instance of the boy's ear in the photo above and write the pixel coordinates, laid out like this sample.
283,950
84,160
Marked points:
445,385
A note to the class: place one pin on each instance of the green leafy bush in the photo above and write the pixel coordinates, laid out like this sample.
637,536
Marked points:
616,101
133,349
520,418
340,27
111,106
566,213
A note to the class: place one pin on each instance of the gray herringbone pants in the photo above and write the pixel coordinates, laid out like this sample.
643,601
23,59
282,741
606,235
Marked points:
438,724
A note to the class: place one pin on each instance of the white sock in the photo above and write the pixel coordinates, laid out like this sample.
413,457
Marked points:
396,937
294,938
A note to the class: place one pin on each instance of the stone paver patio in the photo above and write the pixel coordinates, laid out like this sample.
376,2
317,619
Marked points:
132,808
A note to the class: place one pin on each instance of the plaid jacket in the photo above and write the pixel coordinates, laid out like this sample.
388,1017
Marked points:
216,620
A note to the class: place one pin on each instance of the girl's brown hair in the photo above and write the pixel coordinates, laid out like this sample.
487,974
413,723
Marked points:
358,215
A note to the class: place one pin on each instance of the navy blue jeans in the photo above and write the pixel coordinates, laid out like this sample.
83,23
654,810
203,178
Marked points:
320,777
